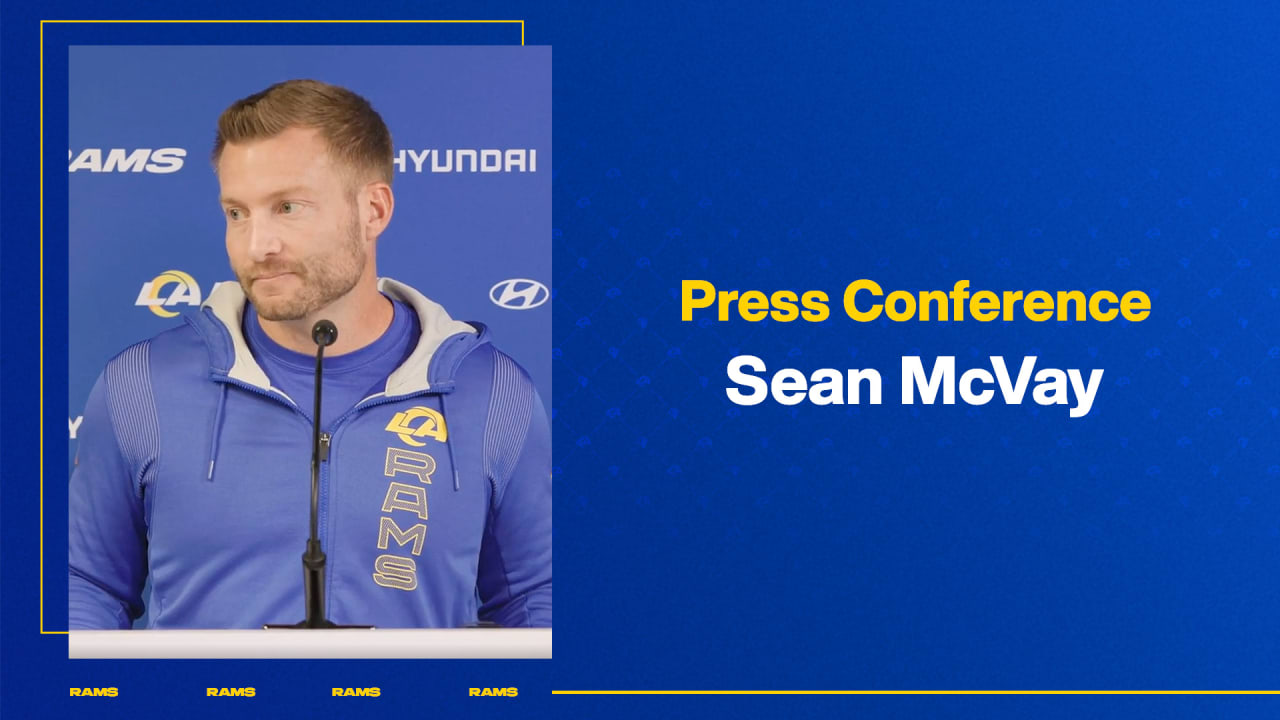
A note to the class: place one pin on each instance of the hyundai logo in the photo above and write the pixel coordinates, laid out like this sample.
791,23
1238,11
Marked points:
519,294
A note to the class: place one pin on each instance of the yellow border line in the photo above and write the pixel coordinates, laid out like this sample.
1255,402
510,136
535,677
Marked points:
915,692
145,22
42,630
250,22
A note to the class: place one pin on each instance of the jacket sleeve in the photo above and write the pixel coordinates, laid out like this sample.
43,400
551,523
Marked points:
514,577
106,547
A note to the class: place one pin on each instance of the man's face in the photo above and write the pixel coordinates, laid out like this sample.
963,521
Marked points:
293,232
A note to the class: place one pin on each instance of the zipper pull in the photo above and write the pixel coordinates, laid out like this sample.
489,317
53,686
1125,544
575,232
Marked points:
324,447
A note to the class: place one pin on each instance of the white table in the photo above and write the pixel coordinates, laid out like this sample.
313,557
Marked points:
516,643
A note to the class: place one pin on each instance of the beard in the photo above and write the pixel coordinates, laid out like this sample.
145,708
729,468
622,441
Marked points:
321,279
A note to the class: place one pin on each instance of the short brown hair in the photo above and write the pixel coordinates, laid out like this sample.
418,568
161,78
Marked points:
353,130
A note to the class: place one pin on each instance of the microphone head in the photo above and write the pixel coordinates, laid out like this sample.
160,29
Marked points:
324,333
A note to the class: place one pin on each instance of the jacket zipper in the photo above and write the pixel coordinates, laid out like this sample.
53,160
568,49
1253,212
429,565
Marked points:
325,441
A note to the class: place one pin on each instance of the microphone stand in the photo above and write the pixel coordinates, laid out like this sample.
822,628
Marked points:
324,333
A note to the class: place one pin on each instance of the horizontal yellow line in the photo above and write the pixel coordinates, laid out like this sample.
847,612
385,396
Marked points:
915,692
281,21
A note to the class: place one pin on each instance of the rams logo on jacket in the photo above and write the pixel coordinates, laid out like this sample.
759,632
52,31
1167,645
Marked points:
430,423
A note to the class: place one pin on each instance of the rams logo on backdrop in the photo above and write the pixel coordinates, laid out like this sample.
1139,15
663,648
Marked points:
169,288
432,425
519,294
160,161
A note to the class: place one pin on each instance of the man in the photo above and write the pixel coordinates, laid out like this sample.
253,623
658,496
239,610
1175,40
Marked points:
193,466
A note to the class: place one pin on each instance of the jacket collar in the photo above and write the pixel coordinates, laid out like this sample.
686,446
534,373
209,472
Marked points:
442,344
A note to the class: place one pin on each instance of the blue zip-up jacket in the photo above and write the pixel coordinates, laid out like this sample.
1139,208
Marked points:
192,471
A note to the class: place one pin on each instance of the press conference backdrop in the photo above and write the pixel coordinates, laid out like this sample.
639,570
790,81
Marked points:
471,128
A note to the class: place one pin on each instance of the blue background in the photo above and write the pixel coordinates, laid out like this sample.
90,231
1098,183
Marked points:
705,546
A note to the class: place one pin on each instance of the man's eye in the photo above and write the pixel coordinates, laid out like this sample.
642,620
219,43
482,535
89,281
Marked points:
233,213
287,207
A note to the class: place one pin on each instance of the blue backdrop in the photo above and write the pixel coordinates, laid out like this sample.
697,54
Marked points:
471,128
702,545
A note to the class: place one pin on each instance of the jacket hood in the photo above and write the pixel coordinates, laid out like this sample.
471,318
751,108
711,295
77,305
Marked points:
442,344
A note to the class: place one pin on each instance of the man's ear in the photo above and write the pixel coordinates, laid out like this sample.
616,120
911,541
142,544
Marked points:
377,203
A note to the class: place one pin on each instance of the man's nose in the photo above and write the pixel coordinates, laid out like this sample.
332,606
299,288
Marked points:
264,239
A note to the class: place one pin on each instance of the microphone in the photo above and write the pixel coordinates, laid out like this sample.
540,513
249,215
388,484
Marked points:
324,333
314,560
